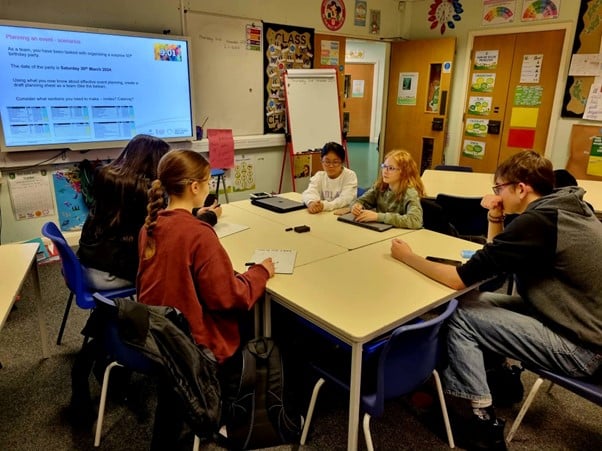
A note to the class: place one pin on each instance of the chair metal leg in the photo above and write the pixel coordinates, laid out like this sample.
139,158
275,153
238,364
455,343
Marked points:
103,401
65,316
448,430
523,409
310,409
367,435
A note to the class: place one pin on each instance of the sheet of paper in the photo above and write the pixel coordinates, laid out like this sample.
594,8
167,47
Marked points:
284,259
225,228
30,195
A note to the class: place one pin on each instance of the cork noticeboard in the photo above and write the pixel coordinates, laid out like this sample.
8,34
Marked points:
587,40
580,148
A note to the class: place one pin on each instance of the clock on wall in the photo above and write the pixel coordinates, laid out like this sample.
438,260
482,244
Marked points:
443,14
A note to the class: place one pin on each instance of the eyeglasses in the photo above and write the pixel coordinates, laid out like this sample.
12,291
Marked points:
497,189
385,167
331,163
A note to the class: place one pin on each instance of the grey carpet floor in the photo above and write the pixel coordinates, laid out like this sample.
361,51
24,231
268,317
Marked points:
34,393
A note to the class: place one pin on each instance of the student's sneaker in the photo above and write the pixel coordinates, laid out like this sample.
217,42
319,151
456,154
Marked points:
485,435
505,385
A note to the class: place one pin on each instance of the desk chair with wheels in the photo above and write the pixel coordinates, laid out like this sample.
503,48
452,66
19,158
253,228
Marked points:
393,366
75,279
586,388
220,174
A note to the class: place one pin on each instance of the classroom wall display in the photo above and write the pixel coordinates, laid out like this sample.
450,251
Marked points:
286,47
584,156
587,41
333,14
227,65
72,210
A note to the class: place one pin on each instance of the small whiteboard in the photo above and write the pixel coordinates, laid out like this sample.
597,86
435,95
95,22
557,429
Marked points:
227,65
312,104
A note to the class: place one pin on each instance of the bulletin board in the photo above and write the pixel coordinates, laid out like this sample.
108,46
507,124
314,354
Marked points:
582,137
227,72
587,40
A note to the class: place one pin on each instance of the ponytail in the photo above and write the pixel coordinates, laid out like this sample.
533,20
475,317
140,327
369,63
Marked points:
156,202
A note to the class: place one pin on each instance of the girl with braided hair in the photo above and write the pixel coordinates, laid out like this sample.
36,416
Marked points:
183,264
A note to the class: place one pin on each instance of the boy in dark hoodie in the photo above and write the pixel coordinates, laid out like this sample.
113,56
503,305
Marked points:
553,249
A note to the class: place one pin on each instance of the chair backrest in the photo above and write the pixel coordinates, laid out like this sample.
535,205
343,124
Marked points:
450,167
410,356
72,268
465,213
435,219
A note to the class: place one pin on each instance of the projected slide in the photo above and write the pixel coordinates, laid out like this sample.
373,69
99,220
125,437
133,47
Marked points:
62,87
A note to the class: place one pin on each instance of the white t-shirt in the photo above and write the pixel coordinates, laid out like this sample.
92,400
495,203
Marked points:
334,193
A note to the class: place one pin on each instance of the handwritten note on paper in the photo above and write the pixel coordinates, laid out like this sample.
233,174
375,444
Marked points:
284,259
221,148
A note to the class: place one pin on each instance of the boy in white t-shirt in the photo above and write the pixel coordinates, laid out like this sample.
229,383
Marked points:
333,188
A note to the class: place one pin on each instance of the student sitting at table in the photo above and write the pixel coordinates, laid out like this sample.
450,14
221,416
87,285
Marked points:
183,265
108,247
555,322
395,197
333,188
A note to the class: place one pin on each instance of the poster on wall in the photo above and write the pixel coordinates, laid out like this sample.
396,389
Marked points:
482,82
329,53
586,41
594,164
540,10
302,166
479,105
286,47
30,194
473,149
361,10
476,127
497,12
242,176
486,59
407,89
72,210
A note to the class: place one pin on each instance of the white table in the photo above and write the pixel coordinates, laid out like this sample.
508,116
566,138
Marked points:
323,225
368,295
265,234
16,261
456,183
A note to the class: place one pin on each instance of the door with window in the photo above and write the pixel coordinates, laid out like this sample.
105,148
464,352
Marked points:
510,94
419,86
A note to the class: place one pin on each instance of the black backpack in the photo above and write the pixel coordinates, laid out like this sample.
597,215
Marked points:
258,412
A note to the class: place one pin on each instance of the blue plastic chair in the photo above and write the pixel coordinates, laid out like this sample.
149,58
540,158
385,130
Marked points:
393,366
220,175
73,274
121,355
586,388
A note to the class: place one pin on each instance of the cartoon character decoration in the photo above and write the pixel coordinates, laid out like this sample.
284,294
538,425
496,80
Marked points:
333,14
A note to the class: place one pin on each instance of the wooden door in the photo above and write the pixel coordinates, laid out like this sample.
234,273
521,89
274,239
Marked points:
509,104
419,87
357,102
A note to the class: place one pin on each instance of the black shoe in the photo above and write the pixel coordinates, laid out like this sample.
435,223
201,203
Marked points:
486,435
505,385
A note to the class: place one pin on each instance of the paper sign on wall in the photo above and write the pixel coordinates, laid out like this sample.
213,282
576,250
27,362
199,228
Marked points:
221,148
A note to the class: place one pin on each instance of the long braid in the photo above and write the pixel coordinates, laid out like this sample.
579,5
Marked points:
156,202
